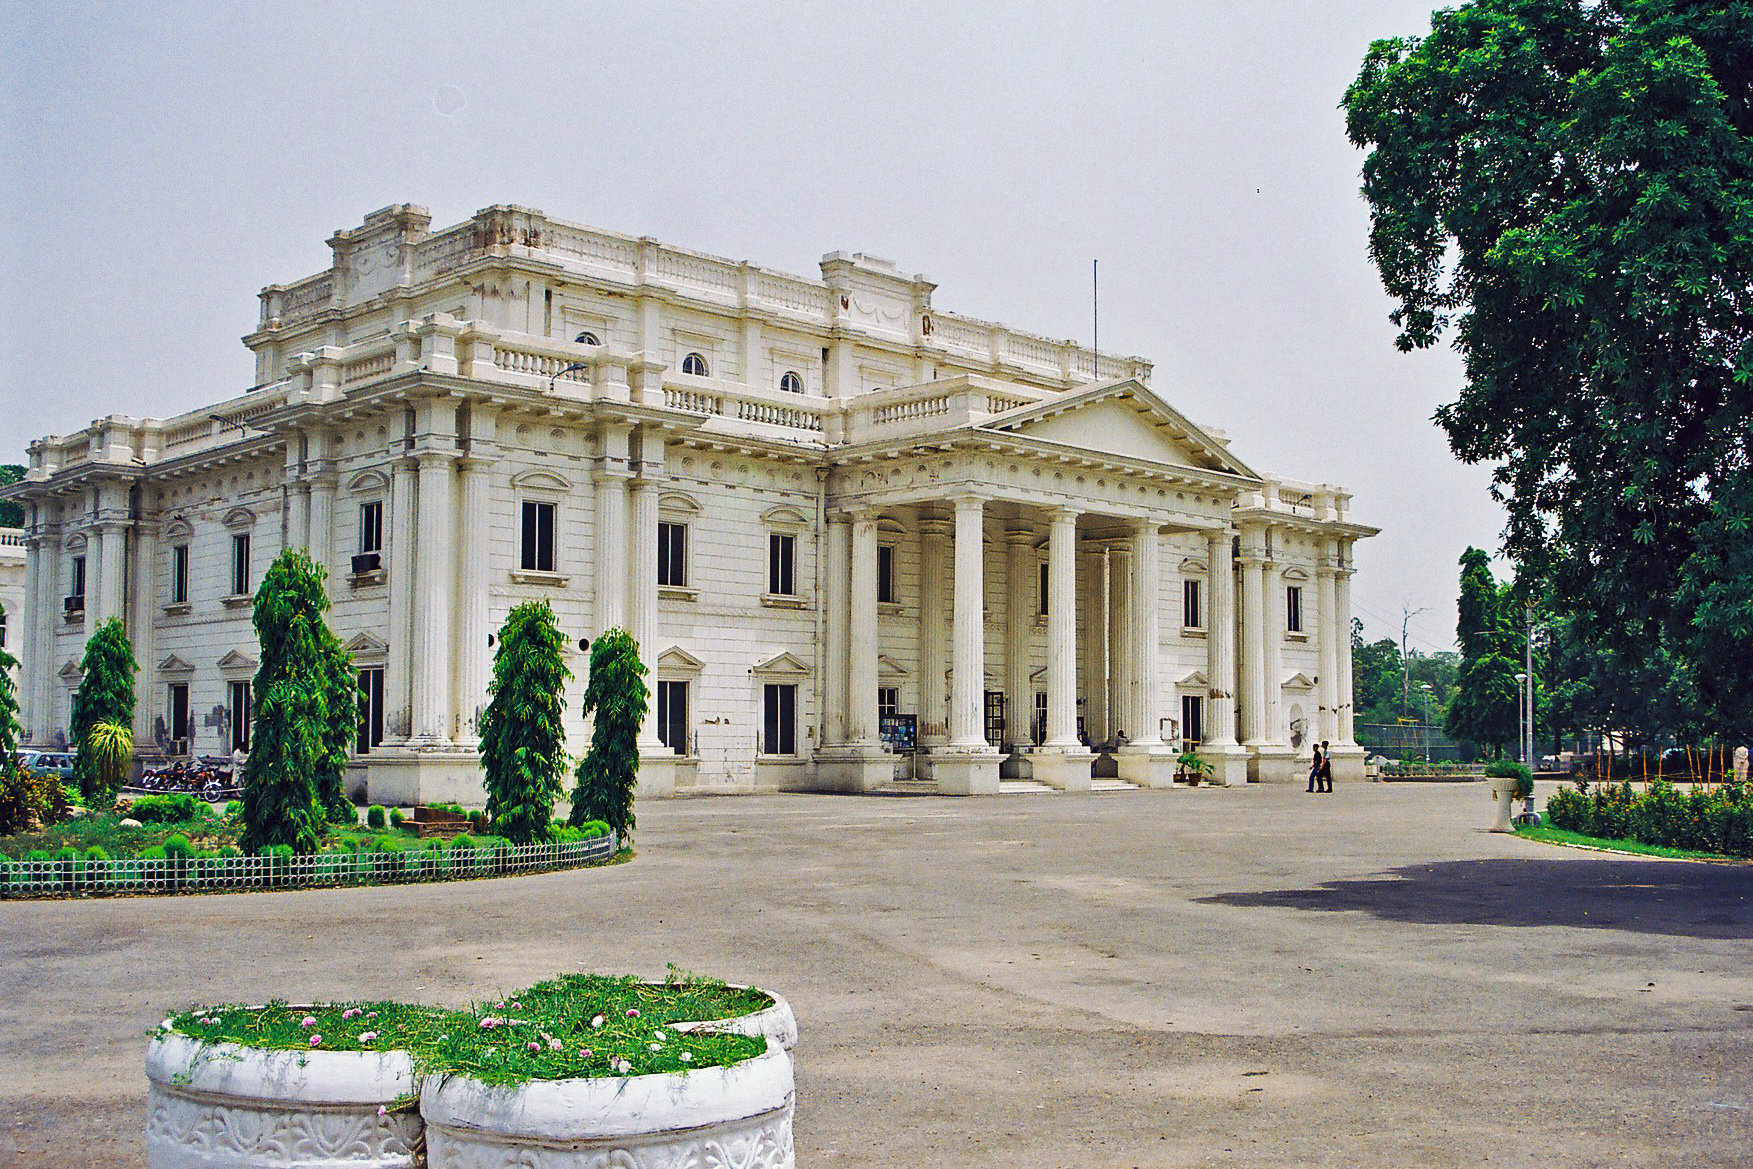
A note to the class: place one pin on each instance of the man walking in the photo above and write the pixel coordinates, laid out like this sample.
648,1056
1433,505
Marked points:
1324,769
1315,767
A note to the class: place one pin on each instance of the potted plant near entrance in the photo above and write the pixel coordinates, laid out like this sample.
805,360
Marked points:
1509,782
1190,767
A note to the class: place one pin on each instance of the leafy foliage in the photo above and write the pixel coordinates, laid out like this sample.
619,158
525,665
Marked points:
1568,186
1487,704
112,748
9,729
523,745
105,694
298,689
1718,820
11,511
616,694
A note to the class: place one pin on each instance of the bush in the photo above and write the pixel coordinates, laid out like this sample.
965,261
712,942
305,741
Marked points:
96,855
386,844
25,799
38,856
177,847
478,821
374,816
1719,821
176,808
155,853
229,852
233,809
397,816
463,840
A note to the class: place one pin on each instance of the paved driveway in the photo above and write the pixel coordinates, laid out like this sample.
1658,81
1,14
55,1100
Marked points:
1182,978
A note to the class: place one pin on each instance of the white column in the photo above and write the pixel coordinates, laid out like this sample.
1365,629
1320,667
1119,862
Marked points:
143,609
1146,648
1062,630
1327,690
321,538
40,667
112,542
298,514
1019,626
23,625
933,704
969,633
610,538
861,666
1277,728
1253,656
835,600
399,677
642,580
473,655
434,586
1119,642
1095,640
1220,642
1342,621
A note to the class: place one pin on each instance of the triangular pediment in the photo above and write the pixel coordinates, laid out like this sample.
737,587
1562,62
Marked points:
1124,418
677,660
888,667
1192,681
782,664
1298,681
367,645
237,660
175,665
70,671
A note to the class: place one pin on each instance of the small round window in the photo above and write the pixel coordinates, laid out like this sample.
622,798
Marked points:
695,365
791,383
586,338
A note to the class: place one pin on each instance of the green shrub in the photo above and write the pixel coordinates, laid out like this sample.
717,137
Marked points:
26,799
478,821
463,840
155,853
233,809
1718,821
175,808
38,855
387,844
375,817
177,847
1507,769
96,854
397,816
229,852
67,855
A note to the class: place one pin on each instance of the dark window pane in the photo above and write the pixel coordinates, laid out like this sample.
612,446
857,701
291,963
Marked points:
885,574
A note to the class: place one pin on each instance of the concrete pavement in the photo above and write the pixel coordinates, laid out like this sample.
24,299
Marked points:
1252,977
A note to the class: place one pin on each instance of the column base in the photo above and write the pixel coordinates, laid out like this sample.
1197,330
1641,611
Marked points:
403,776
657,774
1066,768
1273,763
958,773
854,769
1229,765
1147,766
1348,764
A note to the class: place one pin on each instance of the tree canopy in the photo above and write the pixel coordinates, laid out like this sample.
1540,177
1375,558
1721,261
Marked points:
607,775
523,745
1487,706
1567,187
11,511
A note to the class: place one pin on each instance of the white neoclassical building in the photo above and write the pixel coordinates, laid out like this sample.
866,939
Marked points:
858,539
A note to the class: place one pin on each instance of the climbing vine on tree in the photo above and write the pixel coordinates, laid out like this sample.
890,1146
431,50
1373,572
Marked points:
523,746
616,694
105,695
305,710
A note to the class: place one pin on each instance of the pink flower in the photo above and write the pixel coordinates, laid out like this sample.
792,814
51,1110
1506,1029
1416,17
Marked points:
516,1006
597,1022
316,1040
371,1014
554,1045
501,1006
586,1052
382,1111
308,1021
534,1046
632,1012
368,1037
489,1023
350,1012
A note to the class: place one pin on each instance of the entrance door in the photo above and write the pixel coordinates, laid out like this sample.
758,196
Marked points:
995,717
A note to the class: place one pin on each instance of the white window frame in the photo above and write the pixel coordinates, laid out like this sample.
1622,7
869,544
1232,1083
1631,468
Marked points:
696,365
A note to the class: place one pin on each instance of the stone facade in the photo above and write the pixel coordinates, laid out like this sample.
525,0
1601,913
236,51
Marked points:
12,591
826,510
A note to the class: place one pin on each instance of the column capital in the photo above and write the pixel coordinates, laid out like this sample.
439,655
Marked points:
935,527
1144,524
970,501
1063,515
1020,536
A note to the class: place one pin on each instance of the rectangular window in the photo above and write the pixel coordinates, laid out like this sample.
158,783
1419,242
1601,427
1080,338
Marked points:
885,574
179,715
779,719
1192,720
781,564
240,715
538,537
78,582
672,555
370,710
888,701
179,575
1039,728
1042,593
1191,617
672,716
240,564
371,527
1293,608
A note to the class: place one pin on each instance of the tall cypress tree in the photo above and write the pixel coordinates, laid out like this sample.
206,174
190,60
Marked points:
523,746
617,695
9,729
297,690
105,694
1486,708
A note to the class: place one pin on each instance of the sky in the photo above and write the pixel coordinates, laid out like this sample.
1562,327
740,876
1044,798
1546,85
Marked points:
160,163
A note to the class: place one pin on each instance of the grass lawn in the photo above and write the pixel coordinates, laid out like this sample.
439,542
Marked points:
1637,847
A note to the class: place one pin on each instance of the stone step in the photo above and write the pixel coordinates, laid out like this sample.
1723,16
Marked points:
1022,787
1112,785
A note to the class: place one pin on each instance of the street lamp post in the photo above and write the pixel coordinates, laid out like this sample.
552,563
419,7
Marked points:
1521,717
1424,687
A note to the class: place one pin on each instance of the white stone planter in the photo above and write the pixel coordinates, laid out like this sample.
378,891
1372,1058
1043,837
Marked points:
776,1023
736,1116
220,1105
1501,789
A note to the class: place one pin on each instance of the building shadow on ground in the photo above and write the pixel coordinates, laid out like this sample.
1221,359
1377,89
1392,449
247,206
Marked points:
1651,897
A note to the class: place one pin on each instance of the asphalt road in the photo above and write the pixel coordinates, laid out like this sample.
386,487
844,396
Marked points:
1251,977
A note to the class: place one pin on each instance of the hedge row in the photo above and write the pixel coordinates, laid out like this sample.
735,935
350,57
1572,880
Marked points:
1718,820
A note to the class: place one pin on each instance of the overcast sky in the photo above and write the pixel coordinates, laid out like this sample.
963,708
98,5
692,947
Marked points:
162,162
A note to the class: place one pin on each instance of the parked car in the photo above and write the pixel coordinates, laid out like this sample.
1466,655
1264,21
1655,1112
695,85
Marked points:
54,762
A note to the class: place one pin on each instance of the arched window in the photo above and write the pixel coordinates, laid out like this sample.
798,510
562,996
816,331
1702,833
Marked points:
791,383
586,338
695,365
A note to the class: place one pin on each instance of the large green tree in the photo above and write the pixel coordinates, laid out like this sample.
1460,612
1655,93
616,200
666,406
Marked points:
300,696
11,511
105,695
523,745
1567,186
9,729
616,694
1487,705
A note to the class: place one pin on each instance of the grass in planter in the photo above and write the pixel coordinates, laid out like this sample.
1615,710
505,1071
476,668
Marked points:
570,1027
1550,835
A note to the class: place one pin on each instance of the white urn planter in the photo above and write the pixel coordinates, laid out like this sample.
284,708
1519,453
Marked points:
1502,793
732,1116
775,1022
225,1106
